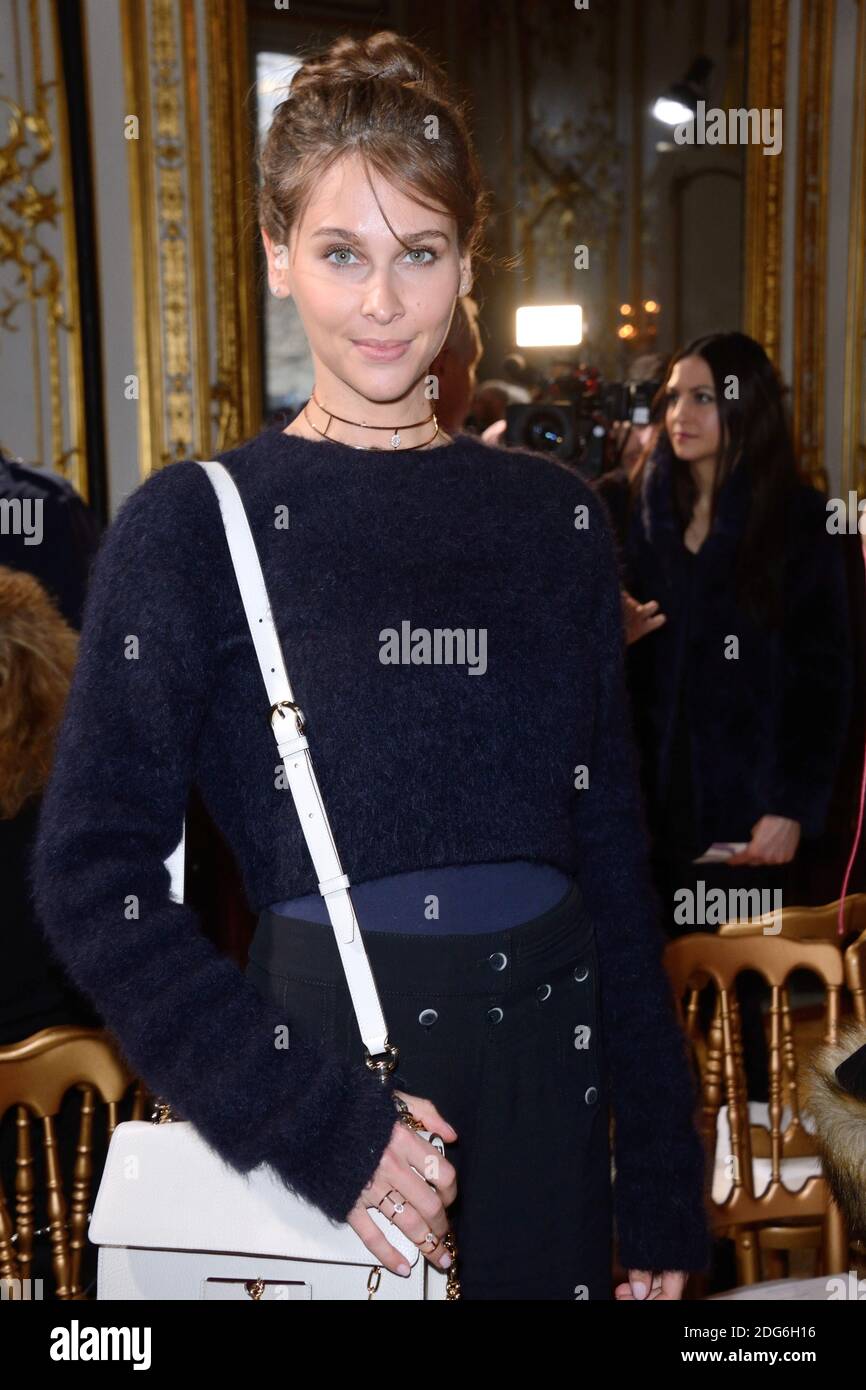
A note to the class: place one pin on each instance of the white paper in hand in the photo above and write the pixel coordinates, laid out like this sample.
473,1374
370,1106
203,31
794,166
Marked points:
719,851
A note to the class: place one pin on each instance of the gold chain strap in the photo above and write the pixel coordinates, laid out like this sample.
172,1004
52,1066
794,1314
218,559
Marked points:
452,1287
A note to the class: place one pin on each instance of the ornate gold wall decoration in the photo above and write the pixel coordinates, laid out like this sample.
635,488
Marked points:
43,287
810,235
854,418
174,234
237,391
198,325
768,38
148,338
183,413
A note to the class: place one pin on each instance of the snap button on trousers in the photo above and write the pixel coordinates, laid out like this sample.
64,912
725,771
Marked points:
502,1031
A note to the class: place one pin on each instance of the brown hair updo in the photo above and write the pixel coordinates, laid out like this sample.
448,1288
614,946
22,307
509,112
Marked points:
374,97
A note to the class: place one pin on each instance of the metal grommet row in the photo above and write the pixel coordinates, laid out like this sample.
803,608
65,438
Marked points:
428,1017
499,960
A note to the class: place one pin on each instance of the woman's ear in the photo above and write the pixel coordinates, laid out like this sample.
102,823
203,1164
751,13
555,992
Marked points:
278,262
465,276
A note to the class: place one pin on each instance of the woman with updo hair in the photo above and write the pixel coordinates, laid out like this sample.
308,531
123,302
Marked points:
450,618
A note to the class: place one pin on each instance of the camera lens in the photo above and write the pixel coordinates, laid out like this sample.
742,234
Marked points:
544,431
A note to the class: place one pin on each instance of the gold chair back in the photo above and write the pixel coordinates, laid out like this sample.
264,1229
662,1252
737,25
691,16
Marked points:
35,1075
806,923
855,974
694,960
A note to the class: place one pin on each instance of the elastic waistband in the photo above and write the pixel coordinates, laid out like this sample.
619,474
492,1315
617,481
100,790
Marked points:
463,964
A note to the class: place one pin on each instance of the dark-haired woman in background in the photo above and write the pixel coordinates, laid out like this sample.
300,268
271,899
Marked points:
741,694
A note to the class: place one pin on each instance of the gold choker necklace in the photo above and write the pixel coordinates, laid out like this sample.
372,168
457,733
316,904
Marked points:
371,448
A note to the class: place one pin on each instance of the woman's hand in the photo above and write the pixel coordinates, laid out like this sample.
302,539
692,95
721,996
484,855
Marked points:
423,1205
639,618
774,841
666,1285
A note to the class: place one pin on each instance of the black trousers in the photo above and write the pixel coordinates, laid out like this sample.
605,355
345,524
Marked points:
502,1032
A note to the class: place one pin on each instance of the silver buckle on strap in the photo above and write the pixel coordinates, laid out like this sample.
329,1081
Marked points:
300,721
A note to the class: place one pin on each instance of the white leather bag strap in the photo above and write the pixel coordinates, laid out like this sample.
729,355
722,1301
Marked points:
287,725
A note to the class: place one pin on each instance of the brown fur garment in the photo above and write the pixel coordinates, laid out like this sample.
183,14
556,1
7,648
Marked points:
37,656
840,1118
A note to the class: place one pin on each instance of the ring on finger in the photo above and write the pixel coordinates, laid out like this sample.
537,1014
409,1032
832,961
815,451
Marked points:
399,1206
429,1236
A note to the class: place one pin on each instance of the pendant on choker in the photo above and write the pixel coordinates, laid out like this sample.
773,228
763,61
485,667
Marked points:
396,438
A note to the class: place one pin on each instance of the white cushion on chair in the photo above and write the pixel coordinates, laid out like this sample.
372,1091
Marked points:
794,1171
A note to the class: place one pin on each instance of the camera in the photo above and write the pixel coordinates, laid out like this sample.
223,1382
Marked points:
574,413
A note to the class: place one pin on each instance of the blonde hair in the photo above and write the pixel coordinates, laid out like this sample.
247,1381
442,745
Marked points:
38,650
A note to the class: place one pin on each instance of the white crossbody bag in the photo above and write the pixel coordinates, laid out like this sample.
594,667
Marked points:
190,1226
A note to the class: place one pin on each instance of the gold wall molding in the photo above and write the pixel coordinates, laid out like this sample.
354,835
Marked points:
853,474
46,289
175,233
198,310
183,412
237,391
810,235
767,49
145,278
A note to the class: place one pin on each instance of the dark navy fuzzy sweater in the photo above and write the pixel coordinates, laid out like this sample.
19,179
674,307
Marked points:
419,765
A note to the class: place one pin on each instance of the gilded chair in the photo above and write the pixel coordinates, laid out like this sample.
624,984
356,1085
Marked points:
769,1192
796,924
35,1075
806,923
